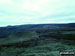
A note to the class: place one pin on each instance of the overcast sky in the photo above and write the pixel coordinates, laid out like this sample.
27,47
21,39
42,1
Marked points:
15,12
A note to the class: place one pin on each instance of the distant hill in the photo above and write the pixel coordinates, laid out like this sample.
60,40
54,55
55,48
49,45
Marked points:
5,31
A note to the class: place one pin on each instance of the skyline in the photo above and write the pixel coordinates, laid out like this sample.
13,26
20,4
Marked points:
16,12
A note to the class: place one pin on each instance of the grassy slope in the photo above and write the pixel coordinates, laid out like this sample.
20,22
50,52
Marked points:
18,37
46,46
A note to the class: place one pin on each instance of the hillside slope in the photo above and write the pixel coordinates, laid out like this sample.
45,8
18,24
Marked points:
18,37
37,40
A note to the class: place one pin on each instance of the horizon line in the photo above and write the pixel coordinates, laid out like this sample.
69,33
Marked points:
31,24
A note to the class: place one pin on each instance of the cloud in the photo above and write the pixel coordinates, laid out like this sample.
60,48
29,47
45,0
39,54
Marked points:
36,11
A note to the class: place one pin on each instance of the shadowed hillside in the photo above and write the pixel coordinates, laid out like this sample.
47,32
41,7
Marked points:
37,40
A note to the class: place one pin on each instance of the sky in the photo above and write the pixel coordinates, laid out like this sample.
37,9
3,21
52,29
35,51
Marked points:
17,12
